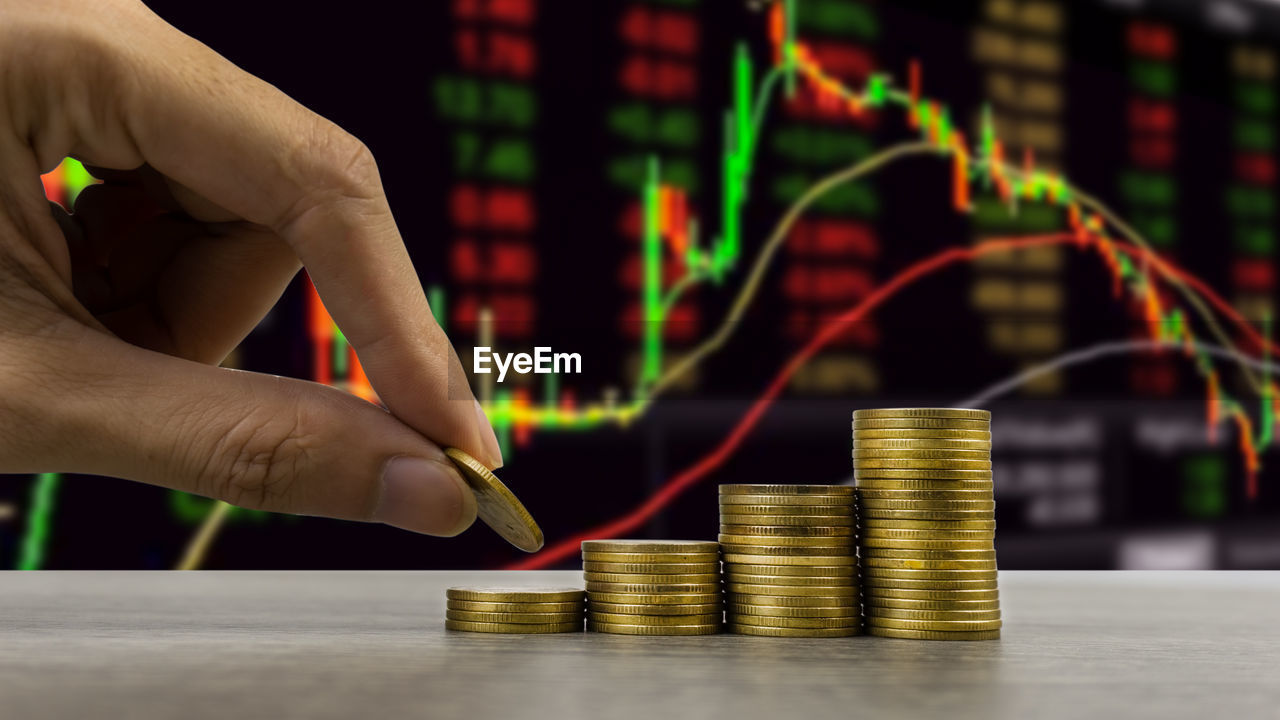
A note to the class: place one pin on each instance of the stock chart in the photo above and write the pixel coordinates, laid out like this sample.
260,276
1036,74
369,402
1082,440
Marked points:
749,219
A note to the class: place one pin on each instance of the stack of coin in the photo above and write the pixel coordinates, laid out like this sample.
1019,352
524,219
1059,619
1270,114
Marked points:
927,514
515,610
653,587
789,564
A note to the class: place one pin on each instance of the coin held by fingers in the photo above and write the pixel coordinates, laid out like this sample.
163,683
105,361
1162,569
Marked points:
496,505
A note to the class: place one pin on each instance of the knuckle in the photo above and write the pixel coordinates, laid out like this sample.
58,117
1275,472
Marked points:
80,74
342,166
337,175
258,461
356,170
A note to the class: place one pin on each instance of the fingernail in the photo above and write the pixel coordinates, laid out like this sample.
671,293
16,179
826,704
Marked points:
490,439
425,496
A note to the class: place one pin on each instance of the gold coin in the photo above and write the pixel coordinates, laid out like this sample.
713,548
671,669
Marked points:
871,580
782,545
900,614
743,629
708,558
636,609
518,607
880,574
840,541
917,500
873,537
698,588
938,515
808,501
837,490
793,601
620,629
922,484
975,494
648,547
898,603
939,595
757,558
651,598
989,554
880,532
785,530
714,618
781,551
802,571
513,628
962,413
800,580
918,443
932,635
508,595
652,568
861,474
874,585
948,625
894,543
788,521
796,622
912,564
516,618
929,464
496,505
861,434
646,579
873,542
937,505
817,514
929,505
913,574
741,609
793,590
925,423
988,525
919,454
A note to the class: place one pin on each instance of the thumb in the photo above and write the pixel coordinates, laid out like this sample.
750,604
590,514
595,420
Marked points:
253,440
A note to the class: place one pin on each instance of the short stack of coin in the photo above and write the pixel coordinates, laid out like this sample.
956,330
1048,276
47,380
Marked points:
927,523
790,568
515,610
653,587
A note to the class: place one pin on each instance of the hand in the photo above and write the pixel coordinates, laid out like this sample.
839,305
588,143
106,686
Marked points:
218,187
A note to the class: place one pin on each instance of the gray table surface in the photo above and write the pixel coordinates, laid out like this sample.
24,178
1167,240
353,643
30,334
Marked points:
360,644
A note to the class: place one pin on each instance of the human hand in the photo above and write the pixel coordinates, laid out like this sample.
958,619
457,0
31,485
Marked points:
218,187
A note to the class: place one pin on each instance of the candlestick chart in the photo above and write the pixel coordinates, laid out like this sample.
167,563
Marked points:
750,223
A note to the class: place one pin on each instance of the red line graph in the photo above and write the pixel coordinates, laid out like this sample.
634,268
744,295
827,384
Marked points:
676,486
1208,293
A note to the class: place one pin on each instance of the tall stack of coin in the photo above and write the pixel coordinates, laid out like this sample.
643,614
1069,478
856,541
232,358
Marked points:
653,587
515,610
790,568
927,536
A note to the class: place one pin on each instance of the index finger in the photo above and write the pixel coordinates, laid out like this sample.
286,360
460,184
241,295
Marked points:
247,147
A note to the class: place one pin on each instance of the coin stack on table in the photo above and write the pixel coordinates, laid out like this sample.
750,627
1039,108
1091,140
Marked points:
790,568
515,610
927,514
653,587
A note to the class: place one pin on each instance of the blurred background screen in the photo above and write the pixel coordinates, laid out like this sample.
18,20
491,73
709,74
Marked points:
603,178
